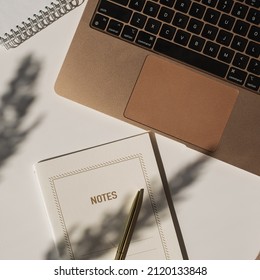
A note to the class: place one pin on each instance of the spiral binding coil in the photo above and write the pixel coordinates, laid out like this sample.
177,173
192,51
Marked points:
38,22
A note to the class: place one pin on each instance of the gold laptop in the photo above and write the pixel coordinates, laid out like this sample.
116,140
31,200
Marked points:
186,69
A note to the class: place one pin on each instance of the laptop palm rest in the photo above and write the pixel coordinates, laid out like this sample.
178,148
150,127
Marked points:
180,102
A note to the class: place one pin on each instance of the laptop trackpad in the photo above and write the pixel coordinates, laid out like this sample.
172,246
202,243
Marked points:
177,101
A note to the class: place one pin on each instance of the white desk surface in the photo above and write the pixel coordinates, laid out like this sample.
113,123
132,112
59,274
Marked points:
218,206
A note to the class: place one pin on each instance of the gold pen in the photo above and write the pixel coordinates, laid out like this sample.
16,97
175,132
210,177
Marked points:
130,225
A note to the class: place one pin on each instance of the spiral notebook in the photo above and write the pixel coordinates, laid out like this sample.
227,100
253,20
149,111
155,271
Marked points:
20,20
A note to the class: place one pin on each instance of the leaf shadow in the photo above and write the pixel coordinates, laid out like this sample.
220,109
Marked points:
15,104
186,177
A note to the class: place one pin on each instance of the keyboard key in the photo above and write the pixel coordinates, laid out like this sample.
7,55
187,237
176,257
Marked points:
100,22
197,43
226,22
225,5
182,37
151,9
241,27
226,55
168,3
122,2
115,11
254,66
211,49
240,60
253,16
137,5
254,33
166,14
182,5
195,26
212,16
114,27
224,37
129,33
152,26
254,3
211,3
237,76
193,58
239,43
210,32
239,10
197,10
253,82
138,20
146,40
253,49
167,31
180,20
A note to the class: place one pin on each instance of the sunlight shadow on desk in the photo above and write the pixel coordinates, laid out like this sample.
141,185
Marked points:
185,177
15,103
92,239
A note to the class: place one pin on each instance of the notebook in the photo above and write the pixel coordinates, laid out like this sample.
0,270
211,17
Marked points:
20,20
88,196
188,70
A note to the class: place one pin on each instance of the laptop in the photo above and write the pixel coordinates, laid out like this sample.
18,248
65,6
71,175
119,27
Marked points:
188,70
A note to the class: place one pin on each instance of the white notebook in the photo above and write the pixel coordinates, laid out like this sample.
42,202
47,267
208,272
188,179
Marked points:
88,196
21,19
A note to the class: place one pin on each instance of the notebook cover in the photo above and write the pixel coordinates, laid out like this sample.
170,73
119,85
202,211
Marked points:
88,195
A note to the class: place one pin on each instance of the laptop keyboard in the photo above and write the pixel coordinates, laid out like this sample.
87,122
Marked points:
220,37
